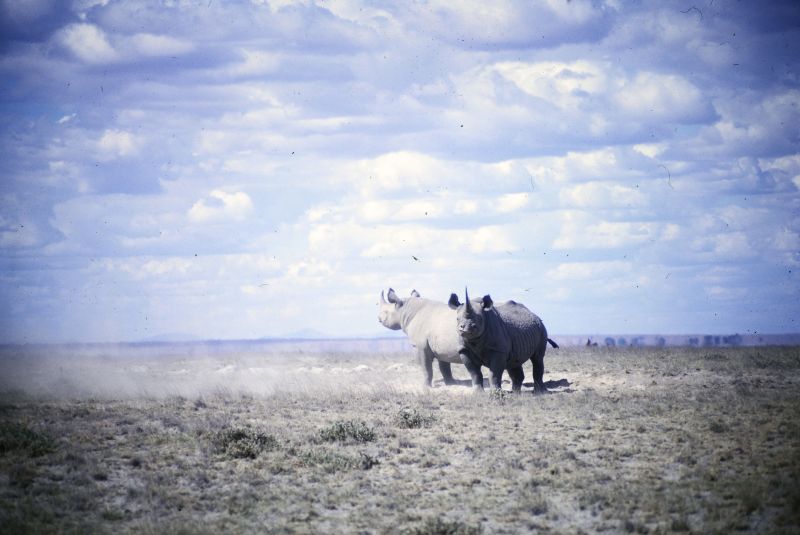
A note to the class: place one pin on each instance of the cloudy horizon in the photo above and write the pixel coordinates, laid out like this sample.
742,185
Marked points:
236,170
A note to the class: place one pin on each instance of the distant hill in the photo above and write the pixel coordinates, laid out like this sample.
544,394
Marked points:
304,334
172,337
314,334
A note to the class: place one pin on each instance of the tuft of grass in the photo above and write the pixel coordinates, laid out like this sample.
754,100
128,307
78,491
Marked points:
243,442
344,430
717,427
19,438
439,526
412,419
331,461
367,460
498,395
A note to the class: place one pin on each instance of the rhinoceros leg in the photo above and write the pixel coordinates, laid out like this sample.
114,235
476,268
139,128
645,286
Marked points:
474,369
447,373
517,376
496,369
426,360
538,372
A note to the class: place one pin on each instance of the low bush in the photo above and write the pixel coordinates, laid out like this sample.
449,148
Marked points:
344,430
412,419
243,442
438,526
15,437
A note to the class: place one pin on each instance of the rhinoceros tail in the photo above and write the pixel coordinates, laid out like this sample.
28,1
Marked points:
552,343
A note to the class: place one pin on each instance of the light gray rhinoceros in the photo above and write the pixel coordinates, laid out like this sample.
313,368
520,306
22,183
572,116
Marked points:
431,327
501,337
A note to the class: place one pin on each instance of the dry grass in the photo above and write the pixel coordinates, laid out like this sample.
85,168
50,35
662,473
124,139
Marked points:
642,441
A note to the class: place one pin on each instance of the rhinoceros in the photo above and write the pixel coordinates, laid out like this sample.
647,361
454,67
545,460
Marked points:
431,327
501,337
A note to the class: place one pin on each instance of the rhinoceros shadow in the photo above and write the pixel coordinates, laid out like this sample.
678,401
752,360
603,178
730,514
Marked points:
562,384
456,382
550,385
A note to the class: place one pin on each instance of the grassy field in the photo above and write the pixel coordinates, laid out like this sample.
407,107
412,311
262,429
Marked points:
640,440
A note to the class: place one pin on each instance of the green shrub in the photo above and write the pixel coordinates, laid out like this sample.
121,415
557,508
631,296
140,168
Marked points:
19,438
438,526
244,443
343,430
412,419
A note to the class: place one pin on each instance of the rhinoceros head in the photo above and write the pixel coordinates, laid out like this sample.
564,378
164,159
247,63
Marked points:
389,312
469,315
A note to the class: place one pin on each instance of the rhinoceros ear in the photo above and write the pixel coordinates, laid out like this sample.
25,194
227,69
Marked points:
453,302
393,298
487,302
414,293
383,300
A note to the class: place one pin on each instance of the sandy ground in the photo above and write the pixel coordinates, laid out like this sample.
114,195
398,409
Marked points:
177,441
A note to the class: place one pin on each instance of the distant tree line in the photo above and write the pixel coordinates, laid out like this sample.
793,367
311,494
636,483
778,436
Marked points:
709,340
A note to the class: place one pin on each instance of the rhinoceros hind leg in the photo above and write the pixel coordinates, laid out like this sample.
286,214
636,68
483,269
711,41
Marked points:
426,361
447,374
538,373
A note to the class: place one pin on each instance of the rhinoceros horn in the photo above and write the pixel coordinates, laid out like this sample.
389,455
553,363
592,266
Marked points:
466,297
383,300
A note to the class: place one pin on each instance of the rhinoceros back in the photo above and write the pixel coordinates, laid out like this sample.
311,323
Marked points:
524,328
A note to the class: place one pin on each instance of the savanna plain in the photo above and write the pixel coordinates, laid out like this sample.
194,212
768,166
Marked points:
639,440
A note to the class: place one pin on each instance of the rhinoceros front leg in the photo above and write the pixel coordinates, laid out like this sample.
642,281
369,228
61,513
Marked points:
497,365
474,369
426,360
447,373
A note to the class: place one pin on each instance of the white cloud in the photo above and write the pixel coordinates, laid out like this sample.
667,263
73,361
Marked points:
651,150
148,44
117,143
564,84
67,118
402,170
92,45
576,166
89,43
254,62
750,123
732,245
602,195
589,271
220,205
511,202
582,232
663,97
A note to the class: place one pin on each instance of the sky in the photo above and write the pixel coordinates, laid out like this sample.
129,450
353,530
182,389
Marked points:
236,170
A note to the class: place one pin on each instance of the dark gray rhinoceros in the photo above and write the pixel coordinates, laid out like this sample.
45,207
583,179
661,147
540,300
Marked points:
430,325
501,337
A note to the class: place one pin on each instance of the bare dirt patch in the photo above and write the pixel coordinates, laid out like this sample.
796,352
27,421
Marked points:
635,440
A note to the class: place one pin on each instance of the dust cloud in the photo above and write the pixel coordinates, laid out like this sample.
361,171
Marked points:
129,371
